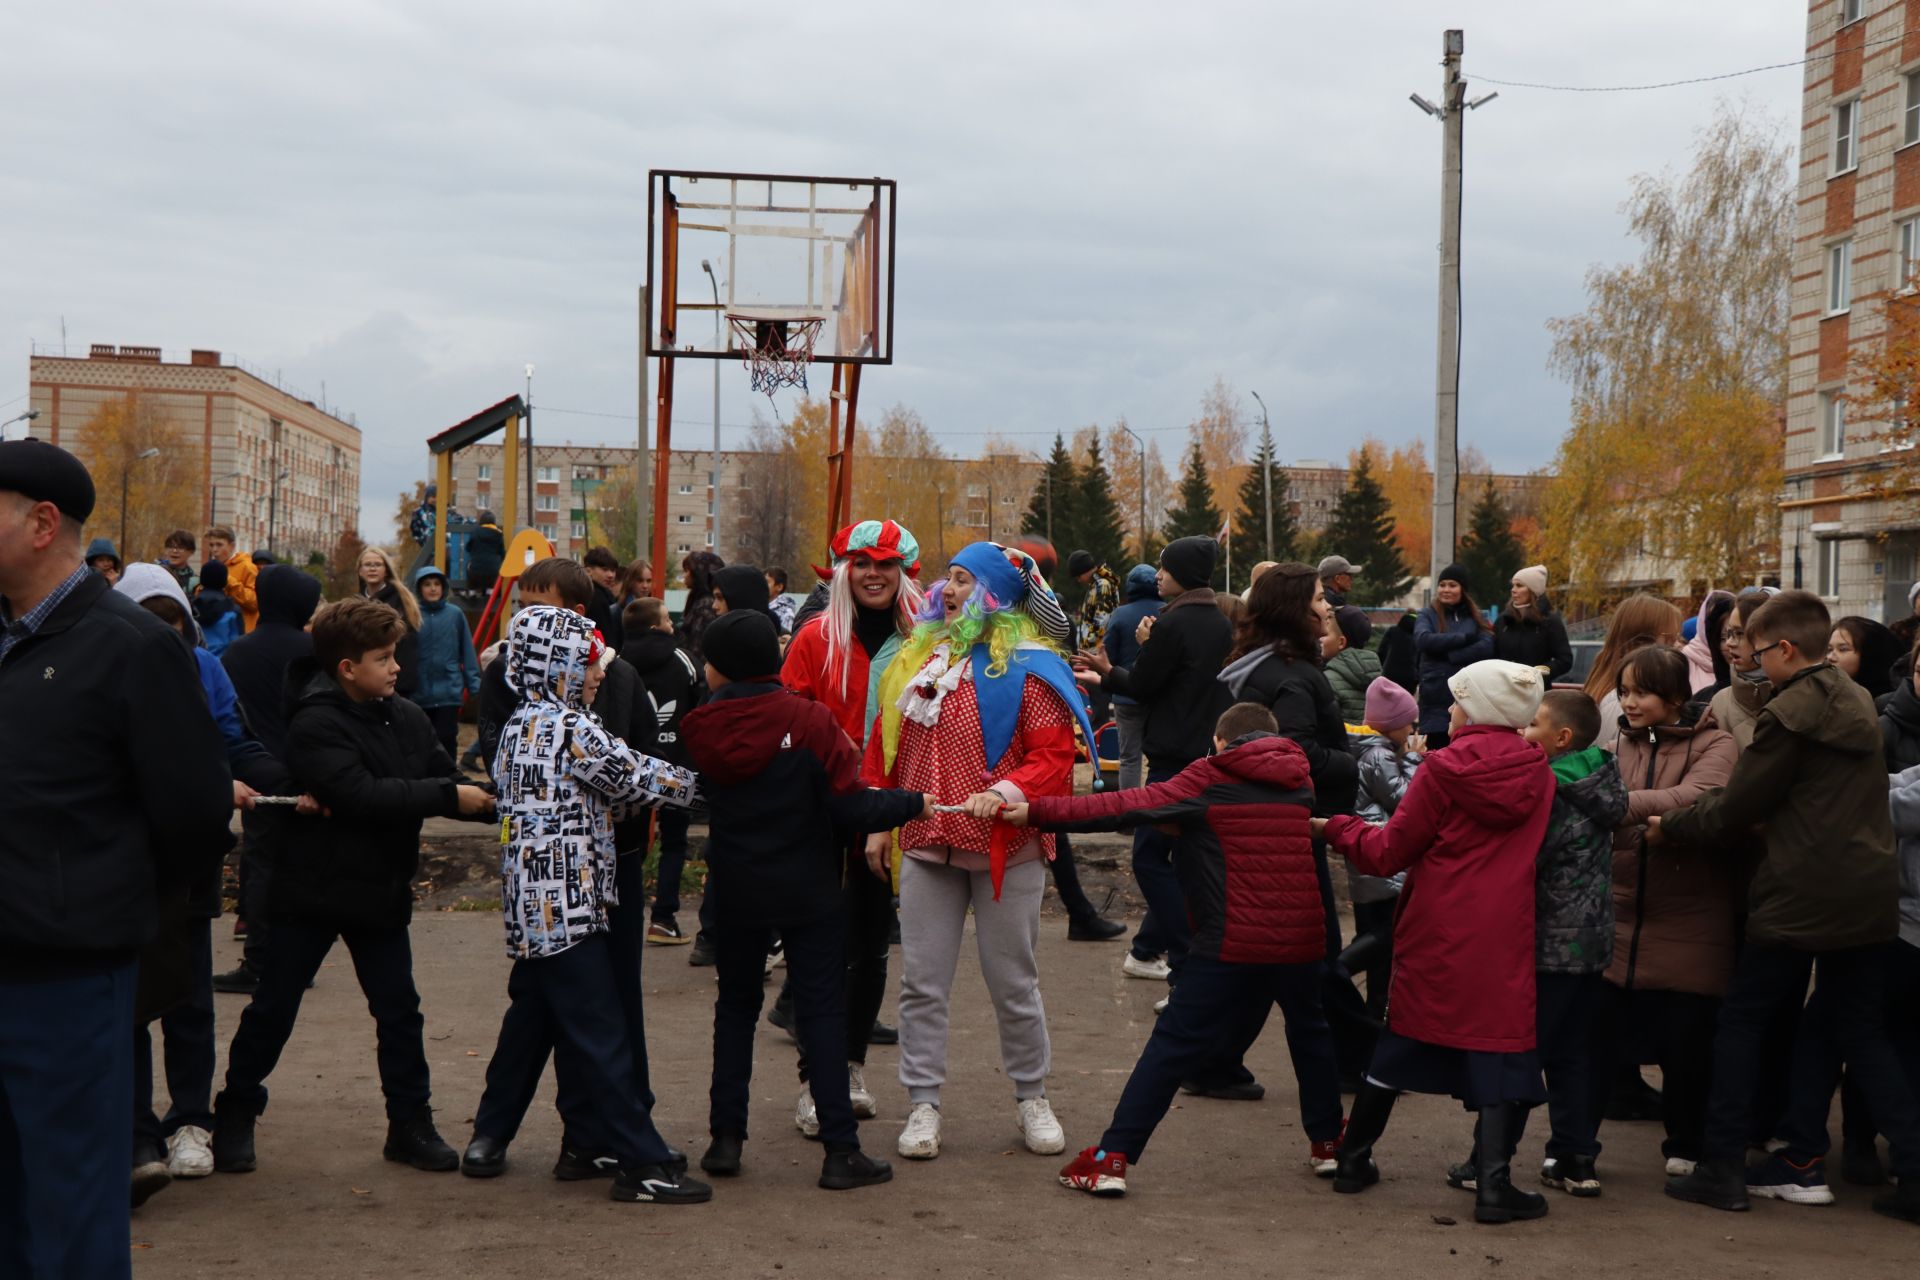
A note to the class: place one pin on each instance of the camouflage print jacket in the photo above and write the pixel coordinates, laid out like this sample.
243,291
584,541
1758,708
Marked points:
1573,879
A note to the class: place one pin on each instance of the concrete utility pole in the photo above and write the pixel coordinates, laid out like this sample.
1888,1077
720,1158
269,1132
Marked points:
1266,476
1451,113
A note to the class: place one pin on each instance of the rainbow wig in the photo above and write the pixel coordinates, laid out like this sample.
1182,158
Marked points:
983,618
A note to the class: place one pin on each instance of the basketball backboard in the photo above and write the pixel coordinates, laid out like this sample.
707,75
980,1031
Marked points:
735,255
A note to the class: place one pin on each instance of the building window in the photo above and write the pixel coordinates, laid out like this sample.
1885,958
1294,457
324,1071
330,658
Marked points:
1909,255
686,488
1833,424
1826,569
486,471
683,548
549,475
683,519
1849,11
579,529
1839,277
1910,119
549,532
1846,118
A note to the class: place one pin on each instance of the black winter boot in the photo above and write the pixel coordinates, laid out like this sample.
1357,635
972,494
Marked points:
232,1137
845,1170
723,1156
1371,1108
412,1140
1719,1183
1496,1199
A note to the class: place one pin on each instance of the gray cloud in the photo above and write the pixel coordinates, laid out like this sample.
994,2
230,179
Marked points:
1101,206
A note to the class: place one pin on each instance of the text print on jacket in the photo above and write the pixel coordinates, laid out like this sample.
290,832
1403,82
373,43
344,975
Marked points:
560,774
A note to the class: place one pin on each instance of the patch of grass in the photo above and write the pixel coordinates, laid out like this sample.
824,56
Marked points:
693,873
490,903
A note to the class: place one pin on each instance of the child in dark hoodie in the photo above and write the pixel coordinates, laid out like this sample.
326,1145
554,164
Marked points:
1572,931
782,782
1252,889
219,617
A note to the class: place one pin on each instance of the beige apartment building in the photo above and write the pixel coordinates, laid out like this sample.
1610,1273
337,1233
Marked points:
266,453
1857,243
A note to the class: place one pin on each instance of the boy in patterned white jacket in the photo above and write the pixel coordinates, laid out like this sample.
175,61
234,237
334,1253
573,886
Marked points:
561,776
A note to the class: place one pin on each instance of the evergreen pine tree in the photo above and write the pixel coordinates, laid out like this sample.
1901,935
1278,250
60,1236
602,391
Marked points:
1195,515
1059,484
1489,552
1250,530
1097,524
1362,531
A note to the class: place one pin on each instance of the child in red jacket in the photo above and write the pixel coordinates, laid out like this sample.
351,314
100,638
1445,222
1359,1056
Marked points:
1246,865
1460,1016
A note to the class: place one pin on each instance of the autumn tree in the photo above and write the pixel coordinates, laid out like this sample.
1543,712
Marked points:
1488,551
164,489
406,502
613,516
1883,403
1128,463
1361,529
1220,433
342,577
1195,513
1250,530
1678,368
769,529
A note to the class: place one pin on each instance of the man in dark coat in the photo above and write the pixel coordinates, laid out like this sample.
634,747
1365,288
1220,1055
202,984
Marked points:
137,791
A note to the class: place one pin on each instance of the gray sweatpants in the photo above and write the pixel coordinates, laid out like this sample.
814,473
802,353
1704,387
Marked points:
933,916
1130,720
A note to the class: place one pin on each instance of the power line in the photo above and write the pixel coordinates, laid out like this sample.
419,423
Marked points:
1034,433
1674,84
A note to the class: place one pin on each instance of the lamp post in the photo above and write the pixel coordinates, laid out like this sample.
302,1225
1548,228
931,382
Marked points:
1266,476
273,505
529,412
1141,446
713,280
125,472
28,416
213,496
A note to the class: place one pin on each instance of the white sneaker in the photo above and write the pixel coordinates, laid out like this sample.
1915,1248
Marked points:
805,1118
190,1152
1678,1168
1154,970
1040,1129
920,1139
857,1091
1160,1005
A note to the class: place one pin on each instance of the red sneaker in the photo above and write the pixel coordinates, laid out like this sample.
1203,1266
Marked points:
1097,1172
1324,1157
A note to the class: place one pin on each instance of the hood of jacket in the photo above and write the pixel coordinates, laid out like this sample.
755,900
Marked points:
420,575
145,581
547,651
737,731
743,587
1267,759
1494,773
308,685
287,595
1903,708
1143,583
1807,703
1590,781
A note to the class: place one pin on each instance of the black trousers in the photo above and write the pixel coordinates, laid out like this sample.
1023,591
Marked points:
672,825
867,903
1375,920
816,972
1824,1058
256,880
187,1050
383,962
1851,986
1066,880
1672,1028
528,1035
1165,928
575,997
446,727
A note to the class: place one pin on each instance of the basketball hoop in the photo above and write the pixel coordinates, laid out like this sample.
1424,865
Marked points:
778,348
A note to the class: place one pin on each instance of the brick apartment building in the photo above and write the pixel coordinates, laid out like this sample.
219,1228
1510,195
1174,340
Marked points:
247,430
1857,242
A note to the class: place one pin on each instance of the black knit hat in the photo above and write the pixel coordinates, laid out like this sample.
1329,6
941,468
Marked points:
1190,560
47,473
1079,562
741,644
1454,573
743,587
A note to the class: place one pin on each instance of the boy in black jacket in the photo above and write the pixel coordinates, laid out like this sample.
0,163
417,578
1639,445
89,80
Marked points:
673,687
373,761
782,785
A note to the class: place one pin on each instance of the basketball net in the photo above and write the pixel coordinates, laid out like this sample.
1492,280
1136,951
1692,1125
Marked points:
778,351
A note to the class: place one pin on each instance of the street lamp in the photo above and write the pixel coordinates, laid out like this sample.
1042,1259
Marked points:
713,280
529,413
28,416
1141,446
213,496
125,471
1266,475
273,504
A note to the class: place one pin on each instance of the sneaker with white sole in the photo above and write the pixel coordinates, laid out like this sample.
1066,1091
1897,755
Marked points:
1679,1166
1097,1172
805,1117
1160,1005
1039,1128
190,1152
1153,970
920,1139
857,1092
1778,1178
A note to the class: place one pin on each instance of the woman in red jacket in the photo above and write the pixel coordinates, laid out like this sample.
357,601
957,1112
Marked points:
979,710
1460,1014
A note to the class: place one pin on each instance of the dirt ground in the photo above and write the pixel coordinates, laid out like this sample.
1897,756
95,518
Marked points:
1224,1187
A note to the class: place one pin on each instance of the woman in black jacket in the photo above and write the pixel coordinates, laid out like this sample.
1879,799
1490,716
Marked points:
1529,632
697,571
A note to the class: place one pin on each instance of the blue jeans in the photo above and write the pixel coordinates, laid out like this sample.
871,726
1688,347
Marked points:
1166,927
1213,998
188,1049
66,1075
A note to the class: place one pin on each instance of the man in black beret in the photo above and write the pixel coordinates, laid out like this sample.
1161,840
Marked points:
138,754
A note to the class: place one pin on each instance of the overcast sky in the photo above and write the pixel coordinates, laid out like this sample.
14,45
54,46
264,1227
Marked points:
1102,205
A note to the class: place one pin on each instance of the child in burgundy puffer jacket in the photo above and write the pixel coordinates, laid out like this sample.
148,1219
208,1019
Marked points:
1246,866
